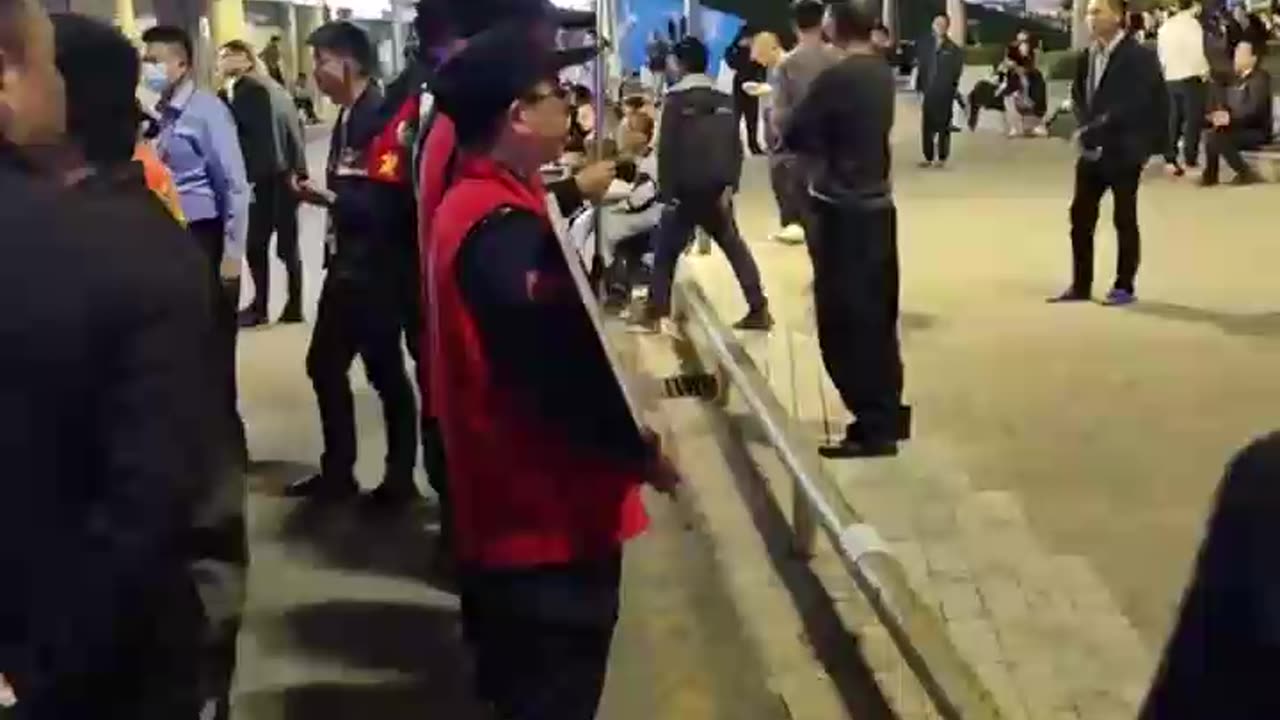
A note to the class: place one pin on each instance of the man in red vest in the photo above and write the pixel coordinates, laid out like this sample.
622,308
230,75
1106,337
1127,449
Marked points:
545,461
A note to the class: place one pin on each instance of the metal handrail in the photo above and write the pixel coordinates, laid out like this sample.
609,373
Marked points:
950,683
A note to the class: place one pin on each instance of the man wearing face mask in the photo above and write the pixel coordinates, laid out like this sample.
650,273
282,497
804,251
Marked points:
103,423
198,142
362,306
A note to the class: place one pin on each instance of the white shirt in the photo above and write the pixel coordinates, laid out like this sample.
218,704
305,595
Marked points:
1180,44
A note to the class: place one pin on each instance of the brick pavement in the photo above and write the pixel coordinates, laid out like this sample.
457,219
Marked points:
1065,457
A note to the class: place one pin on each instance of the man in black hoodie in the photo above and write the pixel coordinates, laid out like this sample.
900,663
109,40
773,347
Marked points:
105,424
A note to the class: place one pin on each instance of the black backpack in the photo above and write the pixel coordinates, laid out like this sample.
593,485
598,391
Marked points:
707,146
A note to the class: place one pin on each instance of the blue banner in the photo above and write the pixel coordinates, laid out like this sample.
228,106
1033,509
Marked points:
639,20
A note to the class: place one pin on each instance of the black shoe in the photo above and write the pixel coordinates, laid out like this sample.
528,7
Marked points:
393,495
291,315
857,431
250,318
846,449
322,488
1246,179
1207,181
756,319
1070,296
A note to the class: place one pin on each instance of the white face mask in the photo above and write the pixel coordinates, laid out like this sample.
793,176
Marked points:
154,77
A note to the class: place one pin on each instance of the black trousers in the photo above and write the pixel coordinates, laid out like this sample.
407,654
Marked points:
541,636
855,286
1093,180
935,130
1227,144
353,319
1186,120
705,210
789,177
274,212
747,107
209,234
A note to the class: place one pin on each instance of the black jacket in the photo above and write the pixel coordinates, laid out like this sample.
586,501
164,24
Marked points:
109,435
374,223
1125,115
250,104
1249,102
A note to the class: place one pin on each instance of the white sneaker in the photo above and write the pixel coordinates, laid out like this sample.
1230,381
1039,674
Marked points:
792,234
1040,131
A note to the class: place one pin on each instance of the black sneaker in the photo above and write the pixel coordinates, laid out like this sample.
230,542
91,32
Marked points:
845,450
758,319
323,488
392,496
251,318
291,316
1246,179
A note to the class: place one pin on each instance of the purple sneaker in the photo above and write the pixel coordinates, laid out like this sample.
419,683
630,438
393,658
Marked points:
1118,298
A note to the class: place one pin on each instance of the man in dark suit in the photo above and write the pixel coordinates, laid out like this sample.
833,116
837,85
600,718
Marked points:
745,69
941,64
1120,103
104,424
250,103
1242,120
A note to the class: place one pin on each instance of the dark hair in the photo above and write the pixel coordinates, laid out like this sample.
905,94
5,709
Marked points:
240,47
691,54
1186,4
343,38
171,35
100,68
807,14
853,20
944,16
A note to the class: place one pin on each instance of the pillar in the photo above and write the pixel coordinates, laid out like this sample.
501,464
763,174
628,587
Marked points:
307,20
226,18
126,19
959,21
290,42
1079,27
889,16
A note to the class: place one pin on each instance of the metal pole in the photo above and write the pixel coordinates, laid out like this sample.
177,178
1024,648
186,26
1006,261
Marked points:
601,81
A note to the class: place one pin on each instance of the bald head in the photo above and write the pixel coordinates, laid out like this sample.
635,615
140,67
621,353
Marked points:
31,93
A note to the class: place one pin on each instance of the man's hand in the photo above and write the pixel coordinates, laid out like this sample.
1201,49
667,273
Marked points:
1220,118
726,198
8,698
315,195
659,471
230,268
593,180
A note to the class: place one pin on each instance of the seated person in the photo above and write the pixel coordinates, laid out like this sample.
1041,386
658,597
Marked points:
1025,100
630,210
985,94
1242,120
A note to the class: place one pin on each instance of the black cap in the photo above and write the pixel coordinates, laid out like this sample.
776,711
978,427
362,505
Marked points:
469,17
497,67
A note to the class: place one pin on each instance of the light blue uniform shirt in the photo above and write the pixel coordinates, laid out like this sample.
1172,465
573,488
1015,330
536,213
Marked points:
199,145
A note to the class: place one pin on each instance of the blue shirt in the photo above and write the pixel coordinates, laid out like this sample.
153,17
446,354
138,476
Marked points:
199,145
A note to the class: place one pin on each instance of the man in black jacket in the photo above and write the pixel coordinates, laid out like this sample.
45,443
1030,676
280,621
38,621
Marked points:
362,305
104,425
842,128
699,164
745,69
250,104
1243,121
1120,103
941,64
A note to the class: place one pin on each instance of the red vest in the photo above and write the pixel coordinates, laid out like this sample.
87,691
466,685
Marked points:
523,491
437,157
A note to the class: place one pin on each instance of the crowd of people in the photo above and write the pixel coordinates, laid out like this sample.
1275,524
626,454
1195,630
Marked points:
468,209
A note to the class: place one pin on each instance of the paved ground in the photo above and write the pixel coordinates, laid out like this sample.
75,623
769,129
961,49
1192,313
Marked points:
346,621
1066,456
